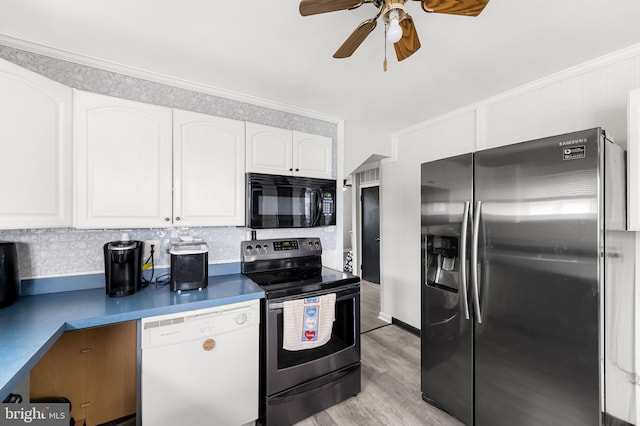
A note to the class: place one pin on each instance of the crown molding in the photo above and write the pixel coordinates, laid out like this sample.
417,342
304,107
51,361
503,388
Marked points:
115,67
583,68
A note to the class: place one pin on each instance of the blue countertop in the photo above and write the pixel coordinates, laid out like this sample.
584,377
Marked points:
30,326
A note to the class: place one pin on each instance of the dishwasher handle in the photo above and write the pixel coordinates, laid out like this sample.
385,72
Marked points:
219,313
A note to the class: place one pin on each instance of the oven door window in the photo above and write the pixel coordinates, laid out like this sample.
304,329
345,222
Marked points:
286,369
342,337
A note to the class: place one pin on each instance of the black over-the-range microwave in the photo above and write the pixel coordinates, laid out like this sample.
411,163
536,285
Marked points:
277,201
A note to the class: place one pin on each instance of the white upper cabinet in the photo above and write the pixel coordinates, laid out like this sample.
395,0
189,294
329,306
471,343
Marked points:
141,165
208,170
122,156
284,152
35,150
311,155
269,149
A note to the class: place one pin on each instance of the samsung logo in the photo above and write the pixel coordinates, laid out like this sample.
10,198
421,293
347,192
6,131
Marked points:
573,142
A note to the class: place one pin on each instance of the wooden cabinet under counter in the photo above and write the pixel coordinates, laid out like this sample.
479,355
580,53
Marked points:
95,369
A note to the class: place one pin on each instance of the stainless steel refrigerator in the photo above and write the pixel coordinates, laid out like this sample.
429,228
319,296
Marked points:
514,251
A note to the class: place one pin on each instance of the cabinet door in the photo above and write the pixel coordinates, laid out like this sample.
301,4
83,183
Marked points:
123,163
62,371
208,170
311,155
35,150
269,149
111,372
95,369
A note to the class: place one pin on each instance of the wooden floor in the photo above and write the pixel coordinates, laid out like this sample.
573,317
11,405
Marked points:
390,393
370,306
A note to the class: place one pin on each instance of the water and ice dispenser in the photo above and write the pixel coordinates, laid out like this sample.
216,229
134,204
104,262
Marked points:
443,261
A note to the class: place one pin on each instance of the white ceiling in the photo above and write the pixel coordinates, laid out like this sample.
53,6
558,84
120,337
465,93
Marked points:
265,49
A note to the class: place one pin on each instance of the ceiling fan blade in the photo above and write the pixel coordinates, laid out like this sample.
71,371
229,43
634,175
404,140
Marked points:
356,38
455,7
313,7
409,43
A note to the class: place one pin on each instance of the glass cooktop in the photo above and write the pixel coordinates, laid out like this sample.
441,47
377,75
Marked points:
289,282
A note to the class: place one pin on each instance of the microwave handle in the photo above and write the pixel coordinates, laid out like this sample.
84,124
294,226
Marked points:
319,209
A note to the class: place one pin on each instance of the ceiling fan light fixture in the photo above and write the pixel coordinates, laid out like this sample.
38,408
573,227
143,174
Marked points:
394,33
392,14
400,29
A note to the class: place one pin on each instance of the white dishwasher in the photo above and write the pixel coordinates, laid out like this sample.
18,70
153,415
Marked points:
200,367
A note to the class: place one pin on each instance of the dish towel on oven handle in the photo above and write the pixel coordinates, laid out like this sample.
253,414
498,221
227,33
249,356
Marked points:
308,323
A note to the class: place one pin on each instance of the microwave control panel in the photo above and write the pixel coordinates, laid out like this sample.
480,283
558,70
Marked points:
327,204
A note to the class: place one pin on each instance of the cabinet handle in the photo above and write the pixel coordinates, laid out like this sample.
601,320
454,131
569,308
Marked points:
297,170
177,217
166,219
291,169
85,351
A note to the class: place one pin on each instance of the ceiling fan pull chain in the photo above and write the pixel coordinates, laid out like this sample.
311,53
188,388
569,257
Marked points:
384,64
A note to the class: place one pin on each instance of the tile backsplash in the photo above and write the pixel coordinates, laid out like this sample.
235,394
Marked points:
67,251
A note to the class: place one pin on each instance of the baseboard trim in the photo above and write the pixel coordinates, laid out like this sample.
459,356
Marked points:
385,317
609,420
411,329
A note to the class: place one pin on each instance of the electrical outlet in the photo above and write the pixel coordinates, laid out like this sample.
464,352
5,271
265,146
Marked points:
146,252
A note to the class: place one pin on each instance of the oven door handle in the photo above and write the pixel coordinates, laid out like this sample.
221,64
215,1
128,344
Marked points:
342,293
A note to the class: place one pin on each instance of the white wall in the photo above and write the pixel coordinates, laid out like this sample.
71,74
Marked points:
400,210
591,95
365,139
347,195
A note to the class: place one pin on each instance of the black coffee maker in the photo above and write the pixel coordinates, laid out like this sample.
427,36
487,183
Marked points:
123,267
9,273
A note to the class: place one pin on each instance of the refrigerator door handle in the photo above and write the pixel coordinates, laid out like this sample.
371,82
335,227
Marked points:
426,259
474,262
463,258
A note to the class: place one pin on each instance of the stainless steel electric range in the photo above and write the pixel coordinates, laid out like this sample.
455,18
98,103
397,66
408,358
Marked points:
297,384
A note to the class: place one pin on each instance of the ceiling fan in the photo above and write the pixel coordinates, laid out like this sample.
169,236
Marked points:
401,31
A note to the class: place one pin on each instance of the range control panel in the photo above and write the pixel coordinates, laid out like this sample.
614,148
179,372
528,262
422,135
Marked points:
280,248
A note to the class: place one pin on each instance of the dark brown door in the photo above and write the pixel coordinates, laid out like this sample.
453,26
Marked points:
371,234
